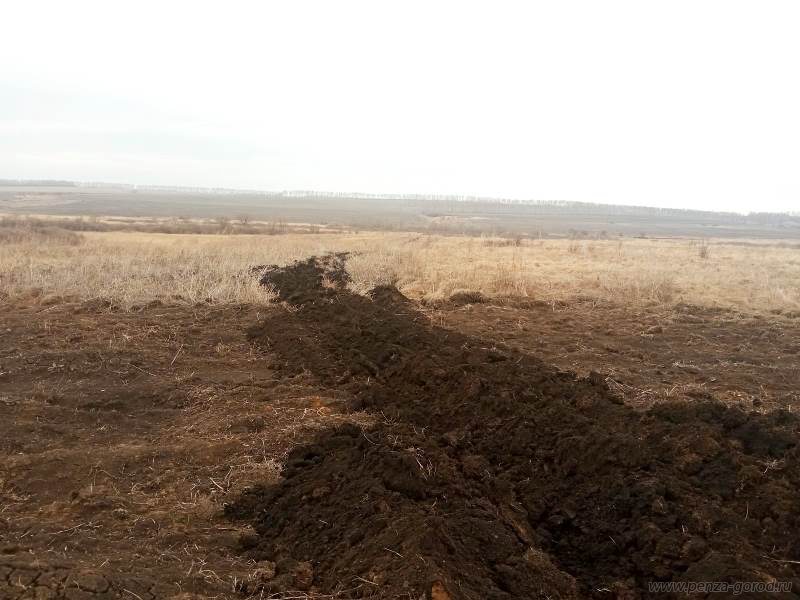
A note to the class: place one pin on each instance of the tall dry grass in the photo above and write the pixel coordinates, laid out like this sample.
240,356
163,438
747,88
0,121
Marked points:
131,268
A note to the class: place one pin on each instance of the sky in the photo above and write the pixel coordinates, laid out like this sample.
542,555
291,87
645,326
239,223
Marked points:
688,104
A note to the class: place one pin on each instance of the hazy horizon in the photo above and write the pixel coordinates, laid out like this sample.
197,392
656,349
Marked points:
85,185
685,105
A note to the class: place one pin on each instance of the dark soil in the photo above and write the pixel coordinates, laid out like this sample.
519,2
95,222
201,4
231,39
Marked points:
650,354
493,475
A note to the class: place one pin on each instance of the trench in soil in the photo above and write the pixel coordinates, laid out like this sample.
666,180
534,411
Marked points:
491,475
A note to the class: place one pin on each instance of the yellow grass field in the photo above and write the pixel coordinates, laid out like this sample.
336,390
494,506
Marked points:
131,268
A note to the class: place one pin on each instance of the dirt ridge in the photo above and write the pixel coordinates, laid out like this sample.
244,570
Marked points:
493,475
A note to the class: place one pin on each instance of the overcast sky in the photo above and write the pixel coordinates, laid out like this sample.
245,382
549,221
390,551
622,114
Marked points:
681,103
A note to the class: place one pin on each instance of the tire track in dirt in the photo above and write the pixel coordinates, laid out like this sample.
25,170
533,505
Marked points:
493,475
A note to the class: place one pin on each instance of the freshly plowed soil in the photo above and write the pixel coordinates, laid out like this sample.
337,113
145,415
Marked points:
492,475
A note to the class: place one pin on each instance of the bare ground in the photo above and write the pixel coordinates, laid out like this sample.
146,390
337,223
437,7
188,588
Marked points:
650,354
124,434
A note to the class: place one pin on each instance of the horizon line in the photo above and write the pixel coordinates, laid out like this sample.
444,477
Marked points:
364,195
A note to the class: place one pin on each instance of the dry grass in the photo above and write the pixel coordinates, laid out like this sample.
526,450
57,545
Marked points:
175,225
34,231
754,278
131,268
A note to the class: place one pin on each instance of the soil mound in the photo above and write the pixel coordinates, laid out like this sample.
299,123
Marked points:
493,475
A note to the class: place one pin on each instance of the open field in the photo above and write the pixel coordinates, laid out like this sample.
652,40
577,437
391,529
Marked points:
430,214
133,268
436,445
399,301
